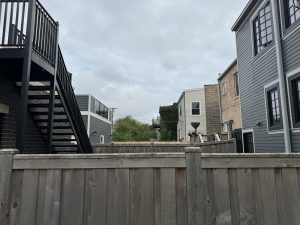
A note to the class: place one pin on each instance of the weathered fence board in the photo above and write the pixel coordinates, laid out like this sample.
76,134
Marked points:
228,146
191,188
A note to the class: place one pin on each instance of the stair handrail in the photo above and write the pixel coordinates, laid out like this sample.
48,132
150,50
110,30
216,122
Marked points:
64,81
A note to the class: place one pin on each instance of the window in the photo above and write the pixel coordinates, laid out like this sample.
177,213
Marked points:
292,13
195,108
274,111
101,139
296,101
262,27
224,88
236,84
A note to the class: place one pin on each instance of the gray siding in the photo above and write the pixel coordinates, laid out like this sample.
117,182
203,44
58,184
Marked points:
102,128
291,59
254,75
93,105
83,102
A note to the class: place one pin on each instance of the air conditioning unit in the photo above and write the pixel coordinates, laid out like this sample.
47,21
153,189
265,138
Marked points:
297,3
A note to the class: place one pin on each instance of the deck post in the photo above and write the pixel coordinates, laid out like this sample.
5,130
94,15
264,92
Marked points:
22,120
194,186
52,98
6,165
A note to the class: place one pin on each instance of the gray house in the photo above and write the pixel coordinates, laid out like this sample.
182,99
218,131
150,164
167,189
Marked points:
97,119
268,55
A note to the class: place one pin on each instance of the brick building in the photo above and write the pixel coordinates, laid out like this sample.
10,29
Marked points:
230,106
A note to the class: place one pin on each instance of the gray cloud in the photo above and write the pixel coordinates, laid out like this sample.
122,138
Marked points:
139,54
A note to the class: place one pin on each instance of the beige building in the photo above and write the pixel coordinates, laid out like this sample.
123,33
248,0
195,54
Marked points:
230,105
198,106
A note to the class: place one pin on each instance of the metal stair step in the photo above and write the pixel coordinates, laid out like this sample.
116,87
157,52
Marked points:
41,97
44,105
62,134
62,140
54,120
46,113
39,88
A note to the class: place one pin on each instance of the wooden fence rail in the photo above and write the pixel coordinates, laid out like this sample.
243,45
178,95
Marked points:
228,146
191,188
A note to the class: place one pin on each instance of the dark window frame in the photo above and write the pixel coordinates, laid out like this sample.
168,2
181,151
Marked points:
288,25
294,99
193,108
236,85
260,30
269,108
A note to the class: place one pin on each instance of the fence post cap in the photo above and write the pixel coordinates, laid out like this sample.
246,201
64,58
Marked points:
11,151
193,150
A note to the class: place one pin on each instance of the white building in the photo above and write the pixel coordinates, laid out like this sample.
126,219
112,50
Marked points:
198,106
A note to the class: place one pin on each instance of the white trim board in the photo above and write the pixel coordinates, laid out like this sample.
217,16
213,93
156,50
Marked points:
86,113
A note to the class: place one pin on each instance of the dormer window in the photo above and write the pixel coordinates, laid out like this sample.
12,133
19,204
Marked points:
262,27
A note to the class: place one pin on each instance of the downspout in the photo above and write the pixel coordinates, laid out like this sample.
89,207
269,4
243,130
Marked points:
284,106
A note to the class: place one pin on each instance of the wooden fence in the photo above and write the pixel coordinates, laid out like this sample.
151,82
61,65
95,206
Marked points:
228,146
150,188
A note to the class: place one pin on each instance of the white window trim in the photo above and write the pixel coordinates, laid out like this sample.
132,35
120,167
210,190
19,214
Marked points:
288,75
280,131
102,136
200,109
224,88
245,131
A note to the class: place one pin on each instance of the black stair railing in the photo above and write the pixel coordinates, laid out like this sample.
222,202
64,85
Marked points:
13,24
14,19
64,82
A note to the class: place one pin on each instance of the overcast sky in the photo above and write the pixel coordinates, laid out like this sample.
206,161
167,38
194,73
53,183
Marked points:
136,55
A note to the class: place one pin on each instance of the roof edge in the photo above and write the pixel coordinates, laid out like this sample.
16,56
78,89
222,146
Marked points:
243,15
227,69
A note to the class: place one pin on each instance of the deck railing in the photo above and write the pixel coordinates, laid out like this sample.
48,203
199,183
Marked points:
13,27
15,15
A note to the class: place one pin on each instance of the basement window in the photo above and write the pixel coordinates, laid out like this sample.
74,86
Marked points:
262,28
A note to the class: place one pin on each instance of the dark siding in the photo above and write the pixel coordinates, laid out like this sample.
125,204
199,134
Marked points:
83,102
102,128
93,105
9,95
254,75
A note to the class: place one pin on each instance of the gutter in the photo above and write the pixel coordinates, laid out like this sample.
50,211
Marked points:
283,97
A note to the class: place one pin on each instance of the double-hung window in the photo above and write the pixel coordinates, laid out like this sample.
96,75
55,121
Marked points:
294,83
262,27
274,108
236,84
292,13
296,93
196,111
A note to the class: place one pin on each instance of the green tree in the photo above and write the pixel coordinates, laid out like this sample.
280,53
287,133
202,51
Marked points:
168,122
128,129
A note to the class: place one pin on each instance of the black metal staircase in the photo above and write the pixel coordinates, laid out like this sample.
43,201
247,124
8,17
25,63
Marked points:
45,83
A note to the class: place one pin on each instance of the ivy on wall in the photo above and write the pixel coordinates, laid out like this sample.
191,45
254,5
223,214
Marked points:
168,122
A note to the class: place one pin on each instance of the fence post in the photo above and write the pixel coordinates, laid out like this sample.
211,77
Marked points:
194,185
6,166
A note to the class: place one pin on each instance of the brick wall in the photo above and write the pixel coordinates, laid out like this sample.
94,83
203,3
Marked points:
212,108
230,103
9,95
